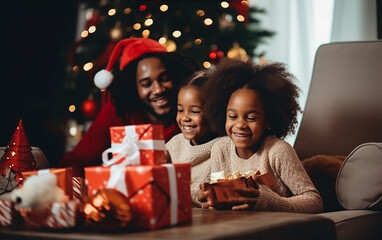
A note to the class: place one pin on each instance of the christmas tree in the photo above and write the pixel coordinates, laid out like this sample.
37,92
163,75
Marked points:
204,30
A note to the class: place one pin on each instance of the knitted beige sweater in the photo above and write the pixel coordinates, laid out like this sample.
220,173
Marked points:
293,192
181,151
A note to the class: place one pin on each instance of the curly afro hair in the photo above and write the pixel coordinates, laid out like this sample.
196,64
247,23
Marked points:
271,80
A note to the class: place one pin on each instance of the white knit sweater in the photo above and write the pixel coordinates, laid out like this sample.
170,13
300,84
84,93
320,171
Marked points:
293,192
181,151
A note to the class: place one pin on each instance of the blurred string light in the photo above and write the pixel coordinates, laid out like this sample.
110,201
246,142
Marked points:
112,12
148,22
84,33
200,13
208,21
88,66
137,26
92,29
127,11
206,64
146,33
72,108
240,18
163,8
224,4
176,34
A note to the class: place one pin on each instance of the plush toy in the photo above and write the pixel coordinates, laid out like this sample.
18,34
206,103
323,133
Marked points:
37,192
323,170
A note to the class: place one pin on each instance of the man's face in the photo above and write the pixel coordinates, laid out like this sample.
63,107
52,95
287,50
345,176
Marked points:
154,86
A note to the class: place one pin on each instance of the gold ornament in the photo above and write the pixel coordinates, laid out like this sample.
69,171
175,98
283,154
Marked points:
108,209
238,52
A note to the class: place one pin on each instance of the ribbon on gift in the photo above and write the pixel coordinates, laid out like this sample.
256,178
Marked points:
266,178
128,151
173,193
117,181
223,175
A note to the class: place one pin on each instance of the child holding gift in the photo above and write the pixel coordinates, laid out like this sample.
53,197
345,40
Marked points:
193,145
256,106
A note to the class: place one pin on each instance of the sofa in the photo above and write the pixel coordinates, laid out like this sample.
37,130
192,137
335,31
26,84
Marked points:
343,113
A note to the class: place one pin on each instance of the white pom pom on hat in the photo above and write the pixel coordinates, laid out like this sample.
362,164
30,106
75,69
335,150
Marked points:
129,50
103,79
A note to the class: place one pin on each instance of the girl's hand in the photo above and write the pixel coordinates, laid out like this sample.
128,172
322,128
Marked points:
204,196
248,199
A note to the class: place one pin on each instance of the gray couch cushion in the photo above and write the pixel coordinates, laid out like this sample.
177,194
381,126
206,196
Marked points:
359,180
356,224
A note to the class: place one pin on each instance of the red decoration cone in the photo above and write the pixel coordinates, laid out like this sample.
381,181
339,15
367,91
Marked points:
18,154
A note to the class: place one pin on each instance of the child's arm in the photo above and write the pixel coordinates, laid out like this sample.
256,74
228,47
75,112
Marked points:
290,172
167,156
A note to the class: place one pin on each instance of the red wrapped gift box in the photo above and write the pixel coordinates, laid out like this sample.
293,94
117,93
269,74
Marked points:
64,178
159,195
136,145
57,215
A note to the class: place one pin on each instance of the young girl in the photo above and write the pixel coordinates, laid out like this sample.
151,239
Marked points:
256,107
193,145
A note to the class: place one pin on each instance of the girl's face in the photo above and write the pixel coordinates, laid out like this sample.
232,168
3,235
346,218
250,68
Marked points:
245,121
154,86
190,115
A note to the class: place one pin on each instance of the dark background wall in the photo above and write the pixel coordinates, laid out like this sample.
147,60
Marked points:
35,37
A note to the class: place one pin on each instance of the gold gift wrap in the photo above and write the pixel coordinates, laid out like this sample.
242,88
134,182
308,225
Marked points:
222,186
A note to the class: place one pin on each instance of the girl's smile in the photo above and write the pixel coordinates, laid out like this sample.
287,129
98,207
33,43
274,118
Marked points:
245,121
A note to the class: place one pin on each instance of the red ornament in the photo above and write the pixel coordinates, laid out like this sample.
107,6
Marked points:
18,154
242,8
142,7
89,108
215,56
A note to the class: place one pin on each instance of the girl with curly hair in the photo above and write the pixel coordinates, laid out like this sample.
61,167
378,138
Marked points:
256,106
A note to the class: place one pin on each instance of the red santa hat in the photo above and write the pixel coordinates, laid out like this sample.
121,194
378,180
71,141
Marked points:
127,50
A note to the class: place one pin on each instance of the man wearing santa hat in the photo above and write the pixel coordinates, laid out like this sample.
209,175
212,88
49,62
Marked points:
143,91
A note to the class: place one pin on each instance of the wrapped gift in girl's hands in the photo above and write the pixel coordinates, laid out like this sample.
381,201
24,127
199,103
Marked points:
224,188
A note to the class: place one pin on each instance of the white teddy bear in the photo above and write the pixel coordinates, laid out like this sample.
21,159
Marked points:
37,192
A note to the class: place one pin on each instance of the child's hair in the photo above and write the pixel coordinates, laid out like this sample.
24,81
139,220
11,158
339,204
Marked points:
197,79
271,80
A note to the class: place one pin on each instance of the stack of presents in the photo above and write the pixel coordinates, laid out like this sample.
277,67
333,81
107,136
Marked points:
134,188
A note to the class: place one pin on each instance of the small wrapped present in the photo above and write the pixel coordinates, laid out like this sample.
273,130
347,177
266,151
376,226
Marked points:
159,195
64,178
8,214
79,187
223,186
56,215
136,145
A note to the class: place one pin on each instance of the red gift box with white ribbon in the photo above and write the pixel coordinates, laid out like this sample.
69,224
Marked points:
136,145
159,195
